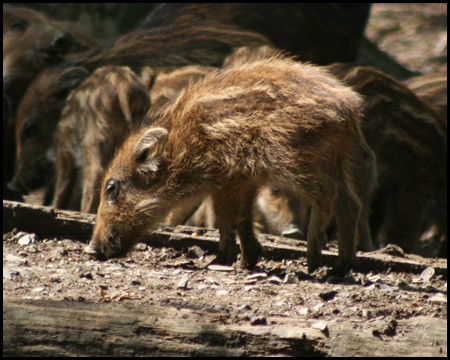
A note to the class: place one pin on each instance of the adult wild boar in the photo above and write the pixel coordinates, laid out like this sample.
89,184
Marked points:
321,33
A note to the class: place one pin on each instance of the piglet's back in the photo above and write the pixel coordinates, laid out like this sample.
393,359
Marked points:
253,108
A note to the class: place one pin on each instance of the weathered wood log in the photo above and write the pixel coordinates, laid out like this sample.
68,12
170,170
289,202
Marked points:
63,328
49,222
46,221
124,330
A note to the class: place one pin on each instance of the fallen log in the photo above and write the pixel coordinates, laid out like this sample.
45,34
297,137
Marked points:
107,329
48,222
67,328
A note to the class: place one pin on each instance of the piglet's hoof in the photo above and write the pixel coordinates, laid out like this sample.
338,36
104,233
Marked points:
340,269
227,257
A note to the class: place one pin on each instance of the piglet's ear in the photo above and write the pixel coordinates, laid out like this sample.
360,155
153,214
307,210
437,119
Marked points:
149,149
68,80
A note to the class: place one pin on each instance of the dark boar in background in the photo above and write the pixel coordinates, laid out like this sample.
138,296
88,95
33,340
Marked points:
31,42
410,143
169,46
36,121
321,33
433,89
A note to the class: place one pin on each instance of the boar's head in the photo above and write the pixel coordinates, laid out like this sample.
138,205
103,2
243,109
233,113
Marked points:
132,195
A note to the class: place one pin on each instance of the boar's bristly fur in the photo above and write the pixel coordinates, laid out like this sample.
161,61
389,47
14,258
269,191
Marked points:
98,116
409,139
271,121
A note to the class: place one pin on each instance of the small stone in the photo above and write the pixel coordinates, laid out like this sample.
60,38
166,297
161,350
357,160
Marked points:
274,280
257,276
216,267
290,278
27,239
183,283
427,274
221,292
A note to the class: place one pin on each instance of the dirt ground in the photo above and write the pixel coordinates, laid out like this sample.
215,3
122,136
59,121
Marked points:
275,292
276,295
414,34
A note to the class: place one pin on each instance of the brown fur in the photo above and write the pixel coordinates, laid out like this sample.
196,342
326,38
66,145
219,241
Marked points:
410,142
31,43
97,117
272,121
433,89
168,85
281,213
36,123
169,46
273,218
321,33
42,103
245,54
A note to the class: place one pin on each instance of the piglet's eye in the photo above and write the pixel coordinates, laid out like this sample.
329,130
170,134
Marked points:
112,189
30,127
19,24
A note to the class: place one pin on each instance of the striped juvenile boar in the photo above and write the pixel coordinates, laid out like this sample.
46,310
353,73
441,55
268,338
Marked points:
410,142
36,121
30,43
273,121
97,117
168,83
433,89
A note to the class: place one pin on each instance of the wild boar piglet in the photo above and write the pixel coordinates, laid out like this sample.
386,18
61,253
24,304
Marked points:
271,121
